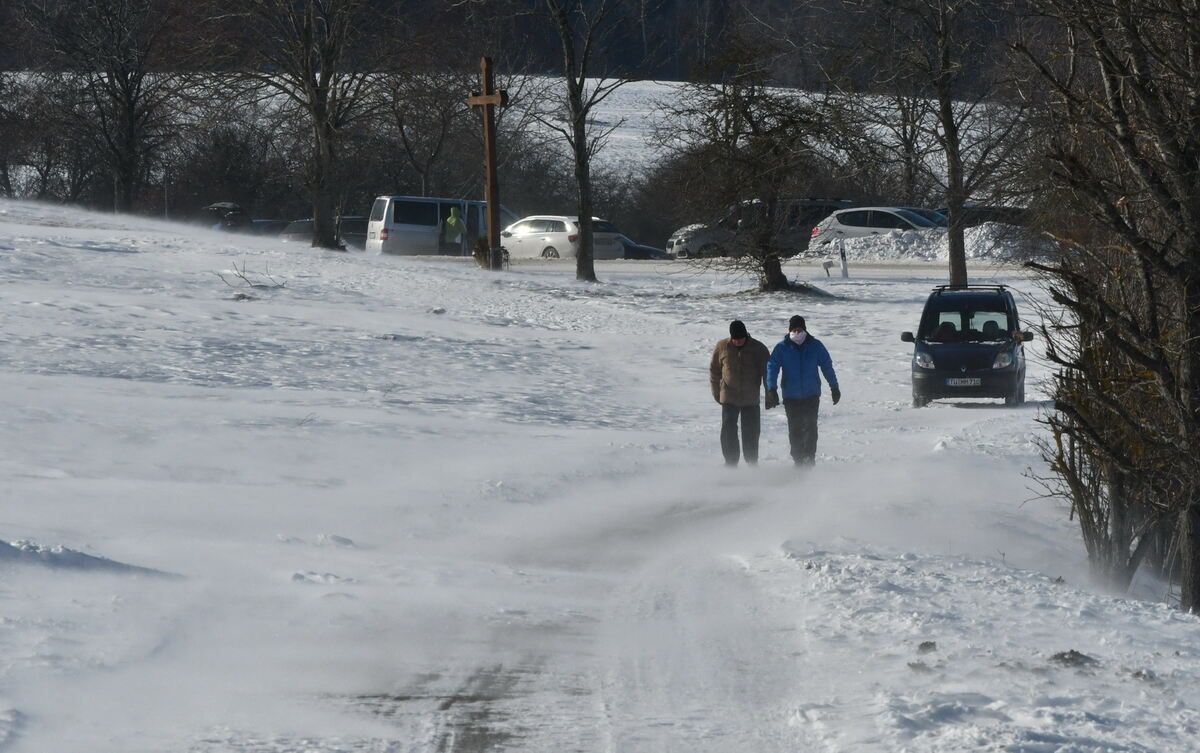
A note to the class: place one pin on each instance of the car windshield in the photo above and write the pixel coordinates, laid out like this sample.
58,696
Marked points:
965,319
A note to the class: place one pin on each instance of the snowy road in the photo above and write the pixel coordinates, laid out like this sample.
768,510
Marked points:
405,505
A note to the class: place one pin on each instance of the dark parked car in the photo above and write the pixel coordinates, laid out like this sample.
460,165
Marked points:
638,251
352,231
974,214
968,344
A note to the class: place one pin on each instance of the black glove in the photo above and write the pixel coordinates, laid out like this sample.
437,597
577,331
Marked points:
836,394
772,399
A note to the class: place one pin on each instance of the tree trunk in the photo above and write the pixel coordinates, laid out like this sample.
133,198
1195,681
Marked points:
585,267
772,277
324,227
1189,555
1189,544
955,194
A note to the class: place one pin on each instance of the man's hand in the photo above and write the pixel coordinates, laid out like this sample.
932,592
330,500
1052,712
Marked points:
836,394
772,399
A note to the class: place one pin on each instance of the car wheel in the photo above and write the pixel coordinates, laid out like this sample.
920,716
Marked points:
709,249
1018,397
920,401
550,253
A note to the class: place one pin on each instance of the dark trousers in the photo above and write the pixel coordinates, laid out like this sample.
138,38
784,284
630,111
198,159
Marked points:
802,427
751,421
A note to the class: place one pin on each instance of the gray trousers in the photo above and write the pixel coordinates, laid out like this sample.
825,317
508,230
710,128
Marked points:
802,427
751,423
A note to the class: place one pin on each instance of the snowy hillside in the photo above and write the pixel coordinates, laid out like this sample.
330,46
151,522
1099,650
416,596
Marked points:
388,504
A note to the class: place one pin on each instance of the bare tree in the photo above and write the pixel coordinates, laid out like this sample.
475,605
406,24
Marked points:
320,57
1124,151
115,52
934,51
583,27
749,147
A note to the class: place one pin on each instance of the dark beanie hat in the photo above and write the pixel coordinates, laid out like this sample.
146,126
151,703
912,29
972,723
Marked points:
737,329
796,322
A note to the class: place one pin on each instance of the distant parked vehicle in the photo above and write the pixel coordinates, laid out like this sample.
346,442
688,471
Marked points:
428,225
736,231
974,214
862,222
352,231
230,217
557,237
969,343
638,251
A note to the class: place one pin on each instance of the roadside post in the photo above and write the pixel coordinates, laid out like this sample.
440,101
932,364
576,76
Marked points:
488,99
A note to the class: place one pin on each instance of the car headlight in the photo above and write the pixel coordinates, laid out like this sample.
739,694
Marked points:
923,359
1003,360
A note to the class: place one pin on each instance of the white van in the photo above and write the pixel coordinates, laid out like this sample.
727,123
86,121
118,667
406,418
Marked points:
417,225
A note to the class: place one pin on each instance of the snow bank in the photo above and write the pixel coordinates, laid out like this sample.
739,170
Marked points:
990,241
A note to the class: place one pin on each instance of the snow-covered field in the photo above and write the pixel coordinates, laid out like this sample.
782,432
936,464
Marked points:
407,505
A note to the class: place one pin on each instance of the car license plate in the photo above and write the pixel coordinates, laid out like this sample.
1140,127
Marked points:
964,382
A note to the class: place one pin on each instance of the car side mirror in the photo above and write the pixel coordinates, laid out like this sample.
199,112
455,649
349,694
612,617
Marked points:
506,234
1026,336
907,337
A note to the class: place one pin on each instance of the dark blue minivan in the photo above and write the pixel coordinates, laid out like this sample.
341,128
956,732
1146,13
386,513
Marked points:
969,344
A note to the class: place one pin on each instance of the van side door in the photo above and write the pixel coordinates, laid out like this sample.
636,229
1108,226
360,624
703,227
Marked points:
414,227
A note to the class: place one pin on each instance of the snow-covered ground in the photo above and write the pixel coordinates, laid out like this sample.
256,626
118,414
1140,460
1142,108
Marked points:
407,505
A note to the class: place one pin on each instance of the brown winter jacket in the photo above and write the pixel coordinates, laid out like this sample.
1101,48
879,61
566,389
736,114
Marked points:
736,373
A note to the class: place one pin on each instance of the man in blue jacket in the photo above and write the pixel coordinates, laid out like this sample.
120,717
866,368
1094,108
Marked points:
800,356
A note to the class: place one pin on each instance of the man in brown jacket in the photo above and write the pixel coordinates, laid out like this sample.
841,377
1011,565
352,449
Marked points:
738,368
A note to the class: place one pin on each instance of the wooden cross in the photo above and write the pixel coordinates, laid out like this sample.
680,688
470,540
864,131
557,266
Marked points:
489,99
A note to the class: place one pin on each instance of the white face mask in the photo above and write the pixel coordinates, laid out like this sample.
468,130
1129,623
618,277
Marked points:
798,337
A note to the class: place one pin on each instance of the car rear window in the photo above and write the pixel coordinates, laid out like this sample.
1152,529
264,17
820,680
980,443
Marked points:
415,213
914,218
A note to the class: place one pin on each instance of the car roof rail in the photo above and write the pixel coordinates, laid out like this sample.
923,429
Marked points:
939,289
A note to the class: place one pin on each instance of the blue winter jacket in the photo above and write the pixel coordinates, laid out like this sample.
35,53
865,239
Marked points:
800,364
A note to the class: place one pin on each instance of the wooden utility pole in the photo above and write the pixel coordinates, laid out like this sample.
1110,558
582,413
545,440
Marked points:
489,99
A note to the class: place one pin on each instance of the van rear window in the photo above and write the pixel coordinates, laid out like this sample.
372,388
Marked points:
378,210
415,213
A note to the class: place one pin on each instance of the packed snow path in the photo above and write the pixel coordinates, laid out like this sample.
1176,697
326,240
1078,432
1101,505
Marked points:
405,505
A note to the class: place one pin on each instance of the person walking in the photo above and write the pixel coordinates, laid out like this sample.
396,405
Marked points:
800,356
738,368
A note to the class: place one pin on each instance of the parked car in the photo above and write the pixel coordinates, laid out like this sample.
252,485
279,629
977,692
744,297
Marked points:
969,343
862,222
736,231
557,237
974,214
418,225
230,217
933,215
638,251
352,231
